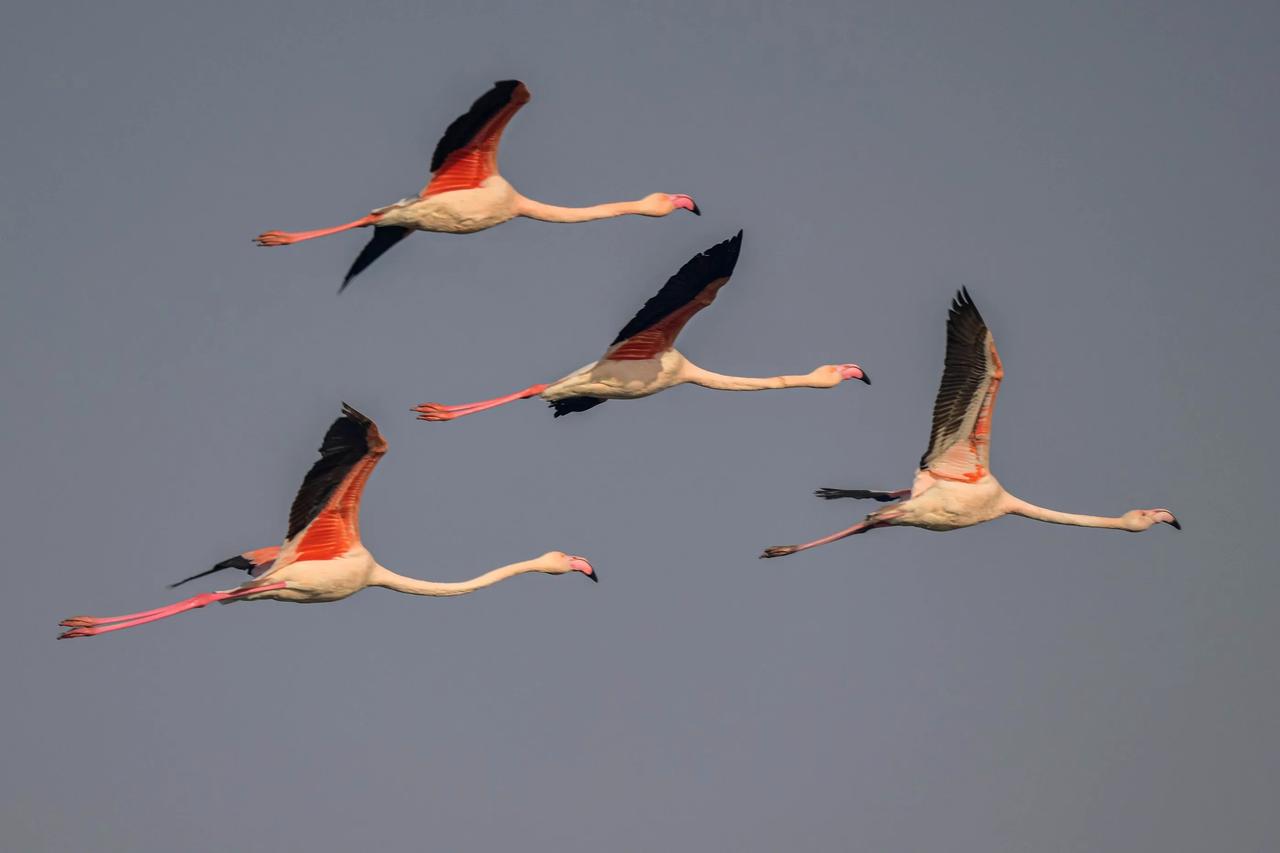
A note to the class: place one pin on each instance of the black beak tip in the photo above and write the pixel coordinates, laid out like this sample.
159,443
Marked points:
866,378
1175,525
593,577
695,210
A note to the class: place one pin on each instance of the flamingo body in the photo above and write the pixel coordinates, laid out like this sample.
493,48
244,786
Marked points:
322,558
643,360
954,487
467,194
612,379
319,581
463,211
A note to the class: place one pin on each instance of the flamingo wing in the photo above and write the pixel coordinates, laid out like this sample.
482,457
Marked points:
960,442
256,562
468,151
324,521
569,405
654,329
384,237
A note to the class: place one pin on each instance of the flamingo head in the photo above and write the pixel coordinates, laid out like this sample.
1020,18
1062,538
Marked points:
660,204
560,563
834,374
1143,519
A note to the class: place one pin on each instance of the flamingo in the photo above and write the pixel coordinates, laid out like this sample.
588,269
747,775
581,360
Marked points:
322,558
954,487
643,360
466,194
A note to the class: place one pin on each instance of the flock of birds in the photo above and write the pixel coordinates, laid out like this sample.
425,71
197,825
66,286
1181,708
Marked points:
322,557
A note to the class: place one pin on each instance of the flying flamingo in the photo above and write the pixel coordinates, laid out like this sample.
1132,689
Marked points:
643,360
954,487
322,558
466,194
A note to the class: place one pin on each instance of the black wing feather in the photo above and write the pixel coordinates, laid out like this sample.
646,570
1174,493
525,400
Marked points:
384,237
681,289
345,444
465,127
964,372
236,562
569,405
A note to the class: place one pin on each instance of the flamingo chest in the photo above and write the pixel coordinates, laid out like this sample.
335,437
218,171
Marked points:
457,211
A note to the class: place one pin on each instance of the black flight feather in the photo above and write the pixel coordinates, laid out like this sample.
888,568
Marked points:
345,444
236,562
681,289
465,127
963,375
569,405
384,237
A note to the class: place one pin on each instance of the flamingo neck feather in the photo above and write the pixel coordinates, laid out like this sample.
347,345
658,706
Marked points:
697,376
531,209
388,579
1016,506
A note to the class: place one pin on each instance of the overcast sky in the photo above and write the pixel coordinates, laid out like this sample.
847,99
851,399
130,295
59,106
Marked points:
1101,176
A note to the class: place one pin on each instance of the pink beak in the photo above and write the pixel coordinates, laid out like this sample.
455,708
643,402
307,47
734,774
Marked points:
684,202
852,371
580,564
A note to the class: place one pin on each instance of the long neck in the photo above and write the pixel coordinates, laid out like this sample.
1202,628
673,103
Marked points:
551,213
1017,506
697,376
388,579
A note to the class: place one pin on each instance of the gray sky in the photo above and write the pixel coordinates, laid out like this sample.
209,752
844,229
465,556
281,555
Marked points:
1101,176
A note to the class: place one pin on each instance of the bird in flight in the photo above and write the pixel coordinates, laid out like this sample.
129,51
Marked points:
322,558
466,194
954,487
643,360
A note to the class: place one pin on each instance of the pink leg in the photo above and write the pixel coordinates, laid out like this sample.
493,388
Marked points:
439,412
87,621
286,238
89,626
860,527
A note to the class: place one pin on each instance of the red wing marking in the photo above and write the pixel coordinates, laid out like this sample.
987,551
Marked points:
325,518
336,530
468,167
661,336
327,537
262,555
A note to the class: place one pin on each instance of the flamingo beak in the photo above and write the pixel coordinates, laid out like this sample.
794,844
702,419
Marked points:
685,202
579,564
1174,524
852,371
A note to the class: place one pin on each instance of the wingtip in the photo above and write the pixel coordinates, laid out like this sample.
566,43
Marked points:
727,252
962,303
352,413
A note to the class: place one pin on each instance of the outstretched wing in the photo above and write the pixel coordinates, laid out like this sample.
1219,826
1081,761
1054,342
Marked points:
324,521
468,151
569,405
694,287
384,237
959,444
256,562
